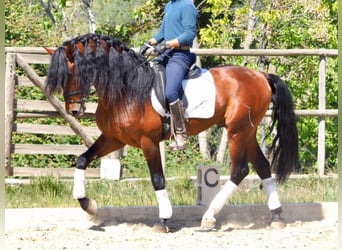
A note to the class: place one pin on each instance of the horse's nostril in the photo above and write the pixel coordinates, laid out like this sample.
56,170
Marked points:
74,113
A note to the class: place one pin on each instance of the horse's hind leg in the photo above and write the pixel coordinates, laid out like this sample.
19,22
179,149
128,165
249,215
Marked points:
262,168
239,165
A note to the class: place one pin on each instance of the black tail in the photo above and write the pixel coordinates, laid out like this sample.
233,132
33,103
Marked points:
285,144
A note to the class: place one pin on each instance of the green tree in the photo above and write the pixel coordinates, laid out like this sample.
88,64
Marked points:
133,23
26,24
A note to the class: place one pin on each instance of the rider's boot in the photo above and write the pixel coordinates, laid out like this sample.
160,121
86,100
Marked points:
177,117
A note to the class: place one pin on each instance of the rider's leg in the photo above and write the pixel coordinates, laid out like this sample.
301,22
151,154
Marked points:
175,71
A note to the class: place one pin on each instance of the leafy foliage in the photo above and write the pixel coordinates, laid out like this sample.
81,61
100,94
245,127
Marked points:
26,24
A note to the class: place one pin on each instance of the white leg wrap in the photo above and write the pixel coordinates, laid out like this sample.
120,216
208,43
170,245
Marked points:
79,184
271,193
165,208
209,215
220,199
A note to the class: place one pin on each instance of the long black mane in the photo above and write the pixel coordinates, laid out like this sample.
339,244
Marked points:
119,74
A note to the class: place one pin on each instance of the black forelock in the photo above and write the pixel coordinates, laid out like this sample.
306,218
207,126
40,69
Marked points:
58,71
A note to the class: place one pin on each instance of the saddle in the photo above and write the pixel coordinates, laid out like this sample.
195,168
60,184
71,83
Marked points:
197,80
160,81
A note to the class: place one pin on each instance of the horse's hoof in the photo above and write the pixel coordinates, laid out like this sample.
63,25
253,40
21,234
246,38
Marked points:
207,225
160,228
278,224
88,205
92,207
95,219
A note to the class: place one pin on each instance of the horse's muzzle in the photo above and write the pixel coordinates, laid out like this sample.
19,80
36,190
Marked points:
76,109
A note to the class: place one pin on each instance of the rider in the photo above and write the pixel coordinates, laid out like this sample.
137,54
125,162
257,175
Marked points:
178,30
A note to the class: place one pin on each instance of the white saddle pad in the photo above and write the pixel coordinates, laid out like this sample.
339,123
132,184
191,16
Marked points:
199,97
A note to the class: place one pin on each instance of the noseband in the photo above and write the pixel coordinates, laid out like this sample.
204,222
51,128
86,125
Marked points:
73,93
80,101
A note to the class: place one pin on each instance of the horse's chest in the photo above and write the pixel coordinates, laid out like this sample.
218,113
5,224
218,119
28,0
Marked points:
130,125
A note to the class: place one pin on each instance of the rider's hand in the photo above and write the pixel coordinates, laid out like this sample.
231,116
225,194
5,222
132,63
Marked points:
145,47
173,43
161,47
152,41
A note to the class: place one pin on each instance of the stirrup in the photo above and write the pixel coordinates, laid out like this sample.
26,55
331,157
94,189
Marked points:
179,143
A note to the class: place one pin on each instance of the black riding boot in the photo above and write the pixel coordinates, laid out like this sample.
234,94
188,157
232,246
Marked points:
177,117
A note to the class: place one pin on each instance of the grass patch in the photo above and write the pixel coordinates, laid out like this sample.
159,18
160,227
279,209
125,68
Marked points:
296,190
54,192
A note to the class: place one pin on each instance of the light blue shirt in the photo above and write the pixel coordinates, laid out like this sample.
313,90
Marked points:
179,21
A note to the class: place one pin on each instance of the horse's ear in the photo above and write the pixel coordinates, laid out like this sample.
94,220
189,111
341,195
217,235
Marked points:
80,47
49,51
69,50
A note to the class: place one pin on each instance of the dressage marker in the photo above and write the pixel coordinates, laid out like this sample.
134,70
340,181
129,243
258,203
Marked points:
208,184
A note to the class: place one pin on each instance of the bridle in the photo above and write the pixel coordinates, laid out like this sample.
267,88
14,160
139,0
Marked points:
73,93
67,95
80,101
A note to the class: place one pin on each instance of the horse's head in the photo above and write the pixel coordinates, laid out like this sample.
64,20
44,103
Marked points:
104,62
62,75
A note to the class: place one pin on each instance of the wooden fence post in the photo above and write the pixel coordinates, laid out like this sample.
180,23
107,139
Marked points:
222,146
162,154
9,98
321,119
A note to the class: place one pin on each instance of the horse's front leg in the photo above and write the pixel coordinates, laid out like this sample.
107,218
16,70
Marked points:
152,155
101,147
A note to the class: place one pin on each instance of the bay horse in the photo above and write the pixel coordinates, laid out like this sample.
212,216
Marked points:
123,80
